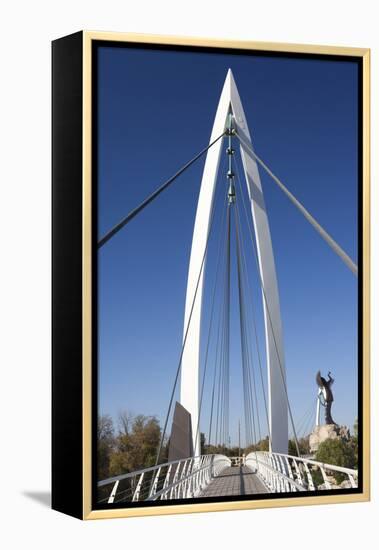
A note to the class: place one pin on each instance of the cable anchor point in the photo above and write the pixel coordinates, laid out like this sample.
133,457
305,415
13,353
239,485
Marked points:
230,132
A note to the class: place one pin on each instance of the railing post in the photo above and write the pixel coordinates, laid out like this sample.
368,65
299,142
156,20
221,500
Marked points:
213,466
154,485
113,493
328,485
289,469
282,473
176,475
179,492
138,488
285,484
298,472
274,479
352,481
290,473
166,481
309,477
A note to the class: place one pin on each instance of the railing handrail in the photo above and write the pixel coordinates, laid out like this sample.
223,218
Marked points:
135,473
182,480
280,474
324,465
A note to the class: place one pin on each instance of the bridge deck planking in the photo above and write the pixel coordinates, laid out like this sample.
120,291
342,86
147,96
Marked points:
234,481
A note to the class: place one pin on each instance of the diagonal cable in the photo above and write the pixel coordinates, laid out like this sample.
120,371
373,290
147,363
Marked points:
272,330
244,269
308,216
153,195
248,398
186,334
210,328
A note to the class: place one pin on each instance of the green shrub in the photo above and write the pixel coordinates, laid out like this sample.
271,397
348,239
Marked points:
338,452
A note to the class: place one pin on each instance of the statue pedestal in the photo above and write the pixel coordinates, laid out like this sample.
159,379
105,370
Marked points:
324,432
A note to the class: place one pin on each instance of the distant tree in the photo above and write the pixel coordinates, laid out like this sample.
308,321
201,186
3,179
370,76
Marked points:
355,427
264,444
125,419
354,444
163,456
136,445
303,446
215,450
233,451
105,445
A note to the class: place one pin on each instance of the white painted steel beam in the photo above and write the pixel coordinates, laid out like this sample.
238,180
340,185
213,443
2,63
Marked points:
189,389
189,395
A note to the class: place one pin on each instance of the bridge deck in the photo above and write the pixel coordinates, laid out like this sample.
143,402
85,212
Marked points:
235,480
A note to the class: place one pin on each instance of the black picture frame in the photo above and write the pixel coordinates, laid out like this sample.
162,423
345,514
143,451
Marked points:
74,253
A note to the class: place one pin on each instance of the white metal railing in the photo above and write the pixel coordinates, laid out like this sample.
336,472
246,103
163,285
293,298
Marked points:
173,480
283,473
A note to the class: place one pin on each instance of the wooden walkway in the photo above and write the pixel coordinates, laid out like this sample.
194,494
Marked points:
235,480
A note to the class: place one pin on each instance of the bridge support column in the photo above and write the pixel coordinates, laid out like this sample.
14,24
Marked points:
189,394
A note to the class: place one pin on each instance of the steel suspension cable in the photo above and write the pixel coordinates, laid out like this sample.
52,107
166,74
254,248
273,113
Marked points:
216,372
221,380
219,417
224,357
185,336
245,271
324,234
215,375
309,421
253,387
153,195
210,326
243,356
271,327
220,345
214,378
244,264
227,355
250,364
219,390
308,424
248,390
304,419
248,398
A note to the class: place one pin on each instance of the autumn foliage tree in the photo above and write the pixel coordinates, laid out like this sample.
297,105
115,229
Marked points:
105,445
262,445
136,444
303,443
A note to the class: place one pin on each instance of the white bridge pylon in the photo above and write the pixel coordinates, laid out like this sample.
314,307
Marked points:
189,392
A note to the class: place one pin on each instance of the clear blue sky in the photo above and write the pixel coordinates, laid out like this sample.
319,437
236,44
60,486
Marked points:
156,111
